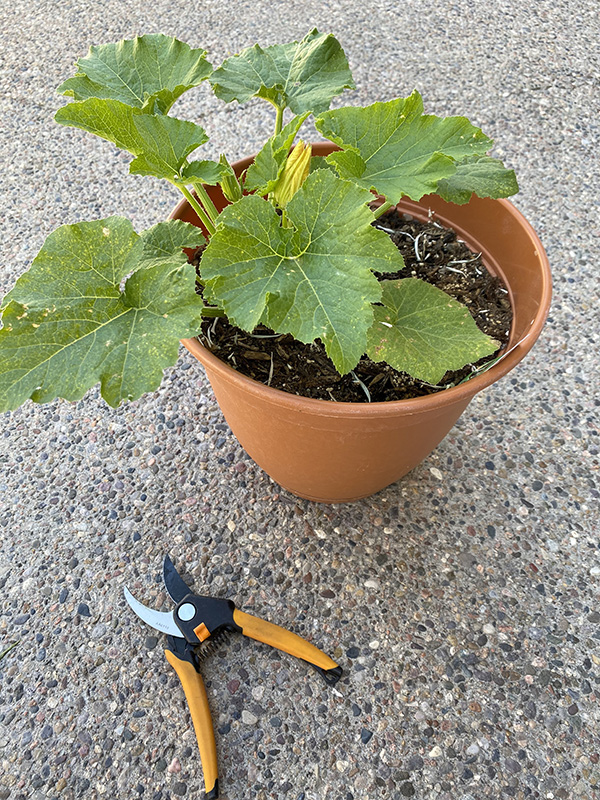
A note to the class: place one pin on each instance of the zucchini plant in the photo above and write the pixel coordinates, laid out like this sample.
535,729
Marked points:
294,250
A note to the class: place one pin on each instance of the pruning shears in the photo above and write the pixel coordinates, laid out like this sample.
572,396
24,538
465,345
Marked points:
193,626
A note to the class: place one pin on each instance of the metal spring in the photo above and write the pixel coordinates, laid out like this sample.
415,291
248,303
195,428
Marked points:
208,647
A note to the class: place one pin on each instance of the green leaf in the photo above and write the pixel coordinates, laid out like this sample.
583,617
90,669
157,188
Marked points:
423,331
161,144
304,76
263,174
209,172
482,175
67,324
320,162
149,72
313,280
161,244
397,150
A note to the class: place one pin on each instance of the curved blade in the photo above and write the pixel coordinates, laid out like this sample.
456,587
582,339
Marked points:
159,620
176,586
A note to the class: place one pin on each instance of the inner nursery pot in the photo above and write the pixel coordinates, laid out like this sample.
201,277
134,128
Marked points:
338,452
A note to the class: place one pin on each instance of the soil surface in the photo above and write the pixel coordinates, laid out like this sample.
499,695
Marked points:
432,253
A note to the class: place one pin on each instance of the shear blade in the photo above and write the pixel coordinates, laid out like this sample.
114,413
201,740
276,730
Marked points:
174,583
159,620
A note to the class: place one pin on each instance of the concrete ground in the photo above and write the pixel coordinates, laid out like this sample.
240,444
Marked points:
462,602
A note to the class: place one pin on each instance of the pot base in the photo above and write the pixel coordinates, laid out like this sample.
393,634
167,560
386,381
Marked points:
324,451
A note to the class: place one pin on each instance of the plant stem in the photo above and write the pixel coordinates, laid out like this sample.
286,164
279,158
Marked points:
206,201
212,311
279,120
202,214
382,209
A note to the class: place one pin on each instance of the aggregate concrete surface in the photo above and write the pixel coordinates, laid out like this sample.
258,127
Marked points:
462,602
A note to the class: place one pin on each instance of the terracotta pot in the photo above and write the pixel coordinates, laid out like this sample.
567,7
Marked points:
339,452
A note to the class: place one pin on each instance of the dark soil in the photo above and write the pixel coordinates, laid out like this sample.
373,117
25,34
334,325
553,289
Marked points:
432,253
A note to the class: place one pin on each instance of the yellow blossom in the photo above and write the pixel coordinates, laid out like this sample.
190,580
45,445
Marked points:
294,174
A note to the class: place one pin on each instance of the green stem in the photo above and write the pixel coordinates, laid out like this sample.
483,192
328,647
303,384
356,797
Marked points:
279,120
206,201
7,650
212,311
203,216
382,209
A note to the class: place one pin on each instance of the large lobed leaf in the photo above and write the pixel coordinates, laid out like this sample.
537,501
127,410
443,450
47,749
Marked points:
149,72
314,280
423,331
161,144
397,150
304,76
67,324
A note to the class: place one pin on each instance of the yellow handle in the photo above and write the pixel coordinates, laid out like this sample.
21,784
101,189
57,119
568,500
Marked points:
284,640
195,694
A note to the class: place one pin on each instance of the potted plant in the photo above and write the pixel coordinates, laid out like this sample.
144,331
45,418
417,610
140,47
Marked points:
289,241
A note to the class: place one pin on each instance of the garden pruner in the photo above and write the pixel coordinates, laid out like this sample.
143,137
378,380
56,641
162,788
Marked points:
195,623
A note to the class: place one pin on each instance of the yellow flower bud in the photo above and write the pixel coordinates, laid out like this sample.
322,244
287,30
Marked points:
294,174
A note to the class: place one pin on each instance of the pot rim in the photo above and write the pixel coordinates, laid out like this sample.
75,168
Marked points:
460,393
